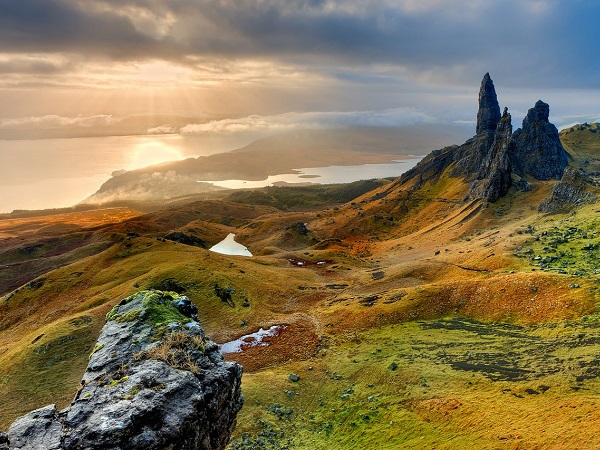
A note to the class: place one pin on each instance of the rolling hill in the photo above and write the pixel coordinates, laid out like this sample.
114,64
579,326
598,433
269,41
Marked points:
414,313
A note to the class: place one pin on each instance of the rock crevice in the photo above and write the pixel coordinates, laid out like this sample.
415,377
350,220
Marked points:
494,177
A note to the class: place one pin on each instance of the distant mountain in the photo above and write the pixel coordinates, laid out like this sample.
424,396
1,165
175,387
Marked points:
280,154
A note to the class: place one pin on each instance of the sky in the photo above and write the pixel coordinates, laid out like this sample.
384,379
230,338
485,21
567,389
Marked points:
229,66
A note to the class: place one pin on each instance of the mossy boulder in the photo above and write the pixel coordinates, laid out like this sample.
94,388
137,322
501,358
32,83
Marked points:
154,381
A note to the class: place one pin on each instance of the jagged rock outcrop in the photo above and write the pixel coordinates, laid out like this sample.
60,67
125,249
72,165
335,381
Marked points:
154,381
494,177
488,114
538,150
468,157
574,189
495,158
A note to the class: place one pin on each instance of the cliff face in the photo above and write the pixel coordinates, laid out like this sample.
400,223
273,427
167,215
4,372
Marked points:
494,177
488,114
154,381
538,150
574,189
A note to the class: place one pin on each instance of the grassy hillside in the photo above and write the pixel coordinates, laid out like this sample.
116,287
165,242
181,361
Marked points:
411,318
582,142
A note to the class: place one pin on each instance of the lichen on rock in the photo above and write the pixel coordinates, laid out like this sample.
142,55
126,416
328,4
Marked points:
154,381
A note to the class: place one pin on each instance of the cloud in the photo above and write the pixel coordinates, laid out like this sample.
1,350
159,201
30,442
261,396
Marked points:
163,129
33,64
54,122
527,43
310,120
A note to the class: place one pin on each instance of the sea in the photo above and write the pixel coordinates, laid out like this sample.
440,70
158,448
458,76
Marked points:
56,173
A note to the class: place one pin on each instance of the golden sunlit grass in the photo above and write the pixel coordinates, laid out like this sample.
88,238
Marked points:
175,350
443,384
61,223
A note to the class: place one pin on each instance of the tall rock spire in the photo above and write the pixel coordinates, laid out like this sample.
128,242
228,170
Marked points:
488,115
494,177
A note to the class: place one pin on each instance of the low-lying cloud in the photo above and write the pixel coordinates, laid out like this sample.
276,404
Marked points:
309,120
53,121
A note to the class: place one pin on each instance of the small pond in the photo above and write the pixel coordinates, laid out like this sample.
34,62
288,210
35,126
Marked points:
228,246
251,340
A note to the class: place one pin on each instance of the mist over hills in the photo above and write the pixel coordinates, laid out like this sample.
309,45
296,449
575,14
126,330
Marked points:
279,154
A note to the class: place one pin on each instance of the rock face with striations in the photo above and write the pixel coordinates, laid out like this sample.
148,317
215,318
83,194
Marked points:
488,114
538,150
494,177
574,189
154,381
470,156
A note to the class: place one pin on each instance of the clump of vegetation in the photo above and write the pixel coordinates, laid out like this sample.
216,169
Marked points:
114,312
225,294
132,392
129,316
178,350
169,284
268,438
97,348
120,375
157,311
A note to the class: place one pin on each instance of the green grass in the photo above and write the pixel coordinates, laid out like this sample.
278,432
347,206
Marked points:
567,244
449,383
40,369
582,142
299,197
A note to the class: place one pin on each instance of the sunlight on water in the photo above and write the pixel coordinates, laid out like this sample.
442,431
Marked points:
327,175
55,173
153,152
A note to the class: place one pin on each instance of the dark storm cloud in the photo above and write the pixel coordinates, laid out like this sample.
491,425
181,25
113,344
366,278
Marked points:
46,26
526,43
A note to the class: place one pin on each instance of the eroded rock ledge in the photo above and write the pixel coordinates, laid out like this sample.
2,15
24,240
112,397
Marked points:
154,381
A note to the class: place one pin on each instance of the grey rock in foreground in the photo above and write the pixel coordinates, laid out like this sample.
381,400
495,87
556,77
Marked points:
3,441
154,381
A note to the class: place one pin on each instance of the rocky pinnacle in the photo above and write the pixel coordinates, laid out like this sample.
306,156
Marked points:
538,150
488,115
